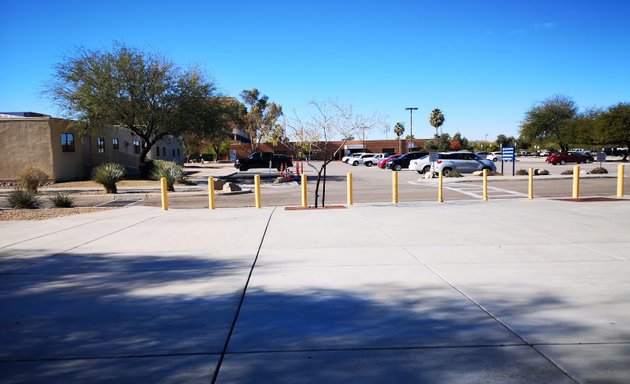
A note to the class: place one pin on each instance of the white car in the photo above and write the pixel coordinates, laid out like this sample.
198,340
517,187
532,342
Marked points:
360,159
347,158
374,159
494,156
421,165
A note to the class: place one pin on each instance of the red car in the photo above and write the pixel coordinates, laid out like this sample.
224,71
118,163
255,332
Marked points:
381,164
568,157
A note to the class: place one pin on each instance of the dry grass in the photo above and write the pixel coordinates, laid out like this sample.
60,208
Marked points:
92,184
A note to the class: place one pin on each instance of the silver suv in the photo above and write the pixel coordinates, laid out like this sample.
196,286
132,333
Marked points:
463,162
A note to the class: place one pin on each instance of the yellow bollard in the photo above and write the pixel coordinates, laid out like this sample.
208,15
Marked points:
349,188
164,194
304,196
620,180
485,185
440,182
395,187
576,182
211,192
257,190
530,189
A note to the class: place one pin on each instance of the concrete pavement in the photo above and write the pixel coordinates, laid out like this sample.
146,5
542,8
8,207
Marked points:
504,291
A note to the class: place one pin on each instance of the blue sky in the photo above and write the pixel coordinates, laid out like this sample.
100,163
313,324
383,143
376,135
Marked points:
483,63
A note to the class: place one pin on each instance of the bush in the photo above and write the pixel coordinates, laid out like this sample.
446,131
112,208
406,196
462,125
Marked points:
598,171
31,178
108,175
62,200
567,172
454,173
23,198
170,170
522,172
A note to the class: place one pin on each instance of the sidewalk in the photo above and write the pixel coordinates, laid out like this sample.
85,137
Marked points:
504,291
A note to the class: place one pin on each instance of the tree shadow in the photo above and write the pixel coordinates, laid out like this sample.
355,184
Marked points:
76,318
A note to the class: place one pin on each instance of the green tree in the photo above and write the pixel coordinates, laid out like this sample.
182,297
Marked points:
141,91
551,120
436,119
399,129
614,125
261,120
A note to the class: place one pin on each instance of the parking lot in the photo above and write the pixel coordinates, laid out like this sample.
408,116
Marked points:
374,185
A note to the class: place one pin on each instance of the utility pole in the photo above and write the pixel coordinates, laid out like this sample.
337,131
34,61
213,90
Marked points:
410,109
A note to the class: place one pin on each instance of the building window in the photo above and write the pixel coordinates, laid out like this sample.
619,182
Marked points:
100,144
136,146
164,151
173,152
114,144
67,142
178,152
157,148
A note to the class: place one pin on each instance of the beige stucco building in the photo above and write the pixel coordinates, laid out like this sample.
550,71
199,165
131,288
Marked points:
52,145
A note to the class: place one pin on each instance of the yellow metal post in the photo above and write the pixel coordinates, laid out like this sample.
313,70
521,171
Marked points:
349,188
257,190
211,192
530,189
440,182
304,196
485,185
620,180
395,187
164,194
576,182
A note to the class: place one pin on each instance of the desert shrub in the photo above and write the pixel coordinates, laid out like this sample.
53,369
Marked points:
567,172
170,170
31,178
62,200
23,198
598,171
454,173
108,175
522,172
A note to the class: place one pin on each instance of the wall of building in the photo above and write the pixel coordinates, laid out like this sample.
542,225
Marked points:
66,165
24,142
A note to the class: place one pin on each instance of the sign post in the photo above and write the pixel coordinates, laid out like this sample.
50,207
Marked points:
601,158
507,153
433,157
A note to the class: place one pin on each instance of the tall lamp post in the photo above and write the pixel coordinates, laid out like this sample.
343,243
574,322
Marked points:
410,109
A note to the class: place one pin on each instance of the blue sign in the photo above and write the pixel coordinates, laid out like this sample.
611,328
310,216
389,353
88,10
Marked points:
433,157
507,153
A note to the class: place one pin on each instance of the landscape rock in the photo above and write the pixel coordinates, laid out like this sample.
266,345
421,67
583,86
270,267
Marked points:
231,187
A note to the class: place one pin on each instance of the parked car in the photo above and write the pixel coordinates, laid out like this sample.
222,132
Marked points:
421,165
463,162
402,161
568,157
544,153
347,158
494,156
369,161
381,164
360,159
483,155
263,160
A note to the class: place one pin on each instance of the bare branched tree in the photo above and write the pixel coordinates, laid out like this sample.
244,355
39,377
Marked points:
329,120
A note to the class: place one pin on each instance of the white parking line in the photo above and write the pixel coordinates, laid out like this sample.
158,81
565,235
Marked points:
476,191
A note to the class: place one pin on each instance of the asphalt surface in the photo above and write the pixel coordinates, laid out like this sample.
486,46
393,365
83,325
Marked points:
503,291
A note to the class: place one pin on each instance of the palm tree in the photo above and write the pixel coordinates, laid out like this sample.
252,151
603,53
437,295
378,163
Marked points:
436,119
399,129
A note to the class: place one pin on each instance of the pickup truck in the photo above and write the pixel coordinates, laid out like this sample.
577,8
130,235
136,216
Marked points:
263,160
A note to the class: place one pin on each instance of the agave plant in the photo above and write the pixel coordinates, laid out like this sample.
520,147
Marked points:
108,175
23,198
170,170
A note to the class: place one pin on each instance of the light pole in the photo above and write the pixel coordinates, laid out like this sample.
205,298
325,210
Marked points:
410,109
